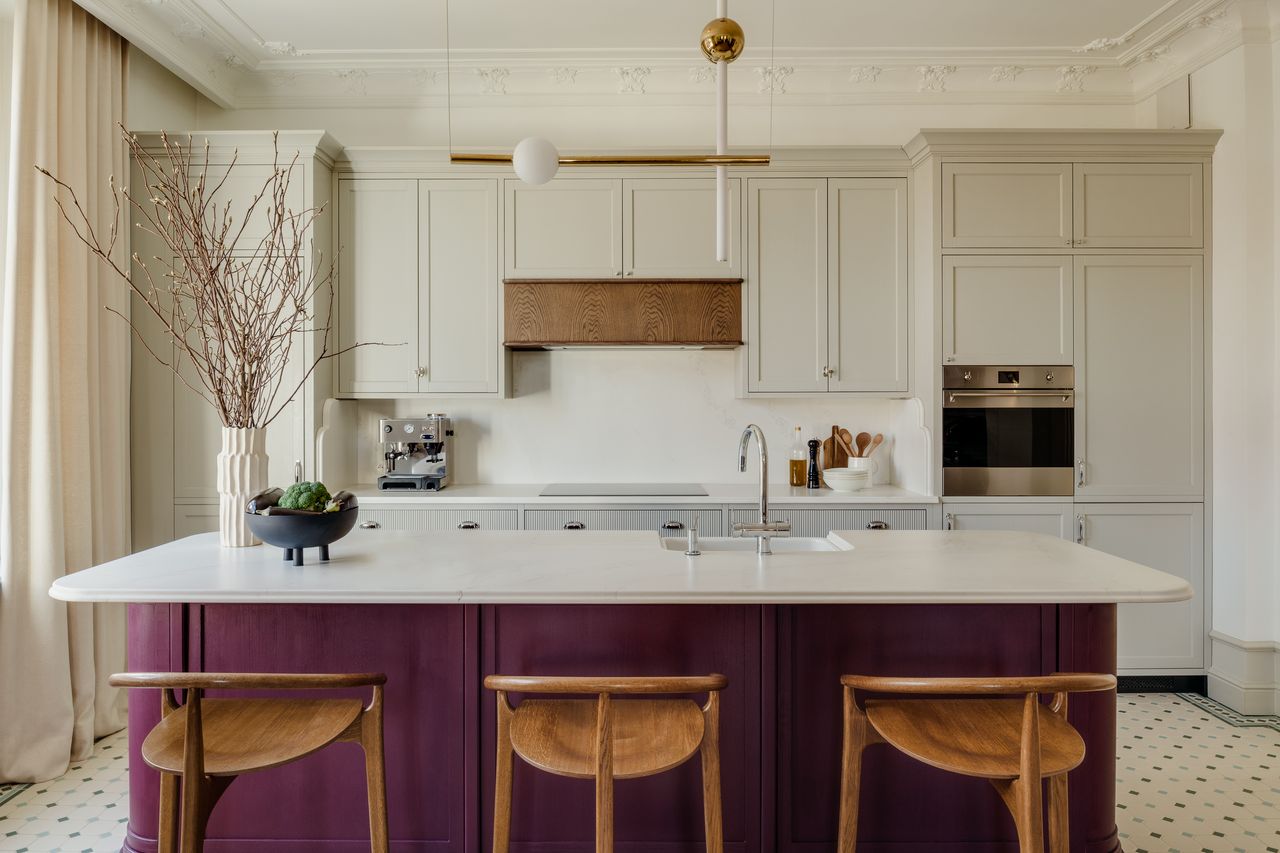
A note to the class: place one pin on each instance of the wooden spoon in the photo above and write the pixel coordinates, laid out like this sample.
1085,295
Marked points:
847,438
875,442
863,440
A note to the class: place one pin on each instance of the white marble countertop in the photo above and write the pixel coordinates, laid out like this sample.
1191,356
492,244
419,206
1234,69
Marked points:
728,493
961,567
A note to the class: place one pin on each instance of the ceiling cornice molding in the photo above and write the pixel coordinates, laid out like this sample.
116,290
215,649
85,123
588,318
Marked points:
1064,144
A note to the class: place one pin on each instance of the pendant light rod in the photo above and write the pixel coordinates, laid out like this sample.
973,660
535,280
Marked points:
626,159
722,147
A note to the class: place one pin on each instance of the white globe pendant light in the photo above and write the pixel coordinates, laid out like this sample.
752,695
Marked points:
535,160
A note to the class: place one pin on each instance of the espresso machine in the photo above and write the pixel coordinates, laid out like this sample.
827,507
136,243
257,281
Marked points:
415,452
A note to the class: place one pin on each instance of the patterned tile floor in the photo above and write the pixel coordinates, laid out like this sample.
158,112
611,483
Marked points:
1192,777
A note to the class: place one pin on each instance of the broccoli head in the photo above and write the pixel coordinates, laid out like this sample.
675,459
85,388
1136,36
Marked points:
308,496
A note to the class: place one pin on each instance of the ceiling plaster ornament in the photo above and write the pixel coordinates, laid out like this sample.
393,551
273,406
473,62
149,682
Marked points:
631,79
864,73
353,79
1211,20
1071,77
281,79
773,79
1006,73
564,75
1155,54
233,60
279,48
493,81
933,78
424,77
702,74
1099,45
188,30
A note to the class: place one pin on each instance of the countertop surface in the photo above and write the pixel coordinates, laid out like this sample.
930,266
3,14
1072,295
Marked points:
958,567
729,493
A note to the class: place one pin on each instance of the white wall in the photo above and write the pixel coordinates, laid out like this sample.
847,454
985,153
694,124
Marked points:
156,99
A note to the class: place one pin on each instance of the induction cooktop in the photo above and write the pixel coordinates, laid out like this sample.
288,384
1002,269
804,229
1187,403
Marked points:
644,490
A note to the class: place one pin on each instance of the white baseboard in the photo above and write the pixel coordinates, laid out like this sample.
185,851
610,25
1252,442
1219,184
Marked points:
1245,675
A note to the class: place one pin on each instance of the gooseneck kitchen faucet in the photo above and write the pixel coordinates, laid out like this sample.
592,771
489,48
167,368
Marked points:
763,530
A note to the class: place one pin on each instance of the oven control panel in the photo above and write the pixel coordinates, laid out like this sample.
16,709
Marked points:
1016,376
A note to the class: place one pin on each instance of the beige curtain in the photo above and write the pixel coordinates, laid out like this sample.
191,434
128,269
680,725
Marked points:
64,397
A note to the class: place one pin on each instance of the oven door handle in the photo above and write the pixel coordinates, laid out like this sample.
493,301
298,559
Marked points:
1032,398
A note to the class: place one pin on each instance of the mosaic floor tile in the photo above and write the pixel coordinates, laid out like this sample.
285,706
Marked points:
1191,776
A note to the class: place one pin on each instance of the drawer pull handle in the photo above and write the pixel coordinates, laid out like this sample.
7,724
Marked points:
877,525
369,525
468,525
673,525
574,525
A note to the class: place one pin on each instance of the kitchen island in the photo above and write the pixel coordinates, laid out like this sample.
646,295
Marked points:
438,612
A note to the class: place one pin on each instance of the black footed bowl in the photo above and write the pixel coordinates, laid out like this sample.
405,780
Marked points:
295,532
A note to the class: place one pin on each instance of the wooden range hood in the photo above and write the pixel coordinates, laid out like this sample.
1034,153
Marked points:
661,313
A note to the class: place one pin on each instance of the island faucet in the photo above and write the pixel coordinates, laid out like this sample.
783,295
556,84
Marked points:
763,530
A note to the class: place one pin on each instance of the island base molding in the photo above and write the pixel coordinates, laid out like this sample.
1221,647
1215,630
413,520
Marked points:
1245,675
780,718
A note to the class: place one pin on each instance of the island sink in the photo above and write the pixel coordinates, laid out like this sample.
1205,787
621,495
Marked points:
794,544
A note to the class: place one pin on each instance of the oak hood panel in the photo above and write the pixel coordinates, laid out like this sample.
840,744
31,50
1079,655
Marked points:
550,313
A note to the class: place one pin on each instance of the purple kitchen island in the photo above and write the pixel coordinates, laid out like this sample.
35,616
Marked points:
438,612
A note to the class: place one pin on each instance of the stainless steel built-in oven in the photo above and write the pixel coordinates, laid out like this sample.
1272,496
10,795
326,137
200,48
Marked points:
1007,430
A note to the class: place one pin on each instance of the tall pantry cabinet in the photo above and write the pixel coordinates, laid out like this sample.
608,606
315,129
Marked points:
1091,249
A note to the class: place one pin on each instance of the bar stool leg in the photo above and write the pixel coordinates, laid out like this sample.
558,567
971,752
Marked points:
858,734
169,812
502,779
1059,831
375,773
604,776
713,821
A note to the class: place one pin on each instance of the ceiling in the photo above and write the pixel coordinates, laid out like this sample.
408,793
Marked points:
251,52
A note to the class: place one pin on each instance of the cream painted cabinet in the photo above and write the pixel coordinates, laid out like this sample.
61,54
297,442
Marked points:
787,285
458,287
1006,205
1139,412
1168,537
568,228
669,228
867,289
378,285
1139,205
419,277
1054,519
1007,309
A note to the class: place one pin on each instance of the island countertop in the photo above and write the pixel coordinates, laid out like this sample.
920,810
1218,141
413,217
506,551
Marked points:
582,567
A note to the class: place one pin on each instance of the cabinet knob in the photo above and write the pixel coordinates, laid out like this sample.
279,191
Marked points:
949,521
631,272
828,372
369,525
420,372
574,525
468,525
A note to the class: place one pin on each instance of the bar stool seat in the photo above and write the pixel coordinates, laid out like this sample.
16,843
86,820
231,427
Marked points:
559,735
244,735
932,731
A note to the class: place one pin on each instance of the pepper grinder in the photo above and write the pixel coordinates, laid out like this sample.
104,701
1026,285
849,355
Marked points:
815,478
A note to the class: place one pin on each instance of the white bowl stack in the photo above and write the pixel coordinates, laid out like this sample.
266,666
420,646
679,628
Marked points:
847,479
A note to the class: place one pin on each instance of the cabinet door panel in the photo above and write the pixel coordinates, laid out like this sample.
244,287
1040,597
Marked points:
1003,309
1054,519
1139,205
567,229
423,520
867,283
1139,414
1006,205
1168,537
787,285
820,522
458,285
669,228
378,285
710,521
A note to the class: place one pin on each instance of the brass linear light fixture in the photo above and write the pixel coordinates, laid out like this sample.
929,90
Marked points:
537,160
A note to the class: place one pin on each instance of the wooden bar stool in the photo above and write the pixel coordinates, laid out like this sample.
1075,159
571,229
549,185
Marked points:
207,743
604,740
1013,743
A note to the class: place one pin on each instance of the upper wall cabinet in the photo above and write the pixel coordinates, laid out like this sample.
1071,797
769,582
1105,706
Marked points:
1139,205
1006,205
1089,205
669,229
827,294
1007,309
569,228
419,277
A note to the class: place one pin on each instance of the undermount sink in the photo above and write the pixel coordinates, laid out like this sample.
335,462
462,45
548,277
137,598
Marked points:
780,545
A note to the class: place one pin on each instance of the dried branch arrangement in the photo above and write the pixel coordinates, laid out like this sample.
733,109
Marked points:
233,313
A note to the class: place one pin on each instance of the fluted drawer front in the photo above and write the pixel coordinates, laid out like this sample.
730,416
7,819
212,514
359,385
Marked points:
820,522
710,521
426,520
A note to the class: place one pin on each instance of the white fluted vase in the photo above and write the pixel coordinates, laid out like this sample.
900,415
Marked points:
242,473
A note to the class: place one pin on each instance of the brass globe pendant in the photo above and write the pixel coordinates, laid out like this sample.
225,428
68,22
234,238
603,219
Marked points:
722,40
